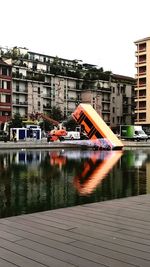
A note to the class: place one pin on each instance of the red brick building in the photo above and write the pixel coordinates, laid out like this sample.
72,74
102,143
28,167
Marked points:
5,91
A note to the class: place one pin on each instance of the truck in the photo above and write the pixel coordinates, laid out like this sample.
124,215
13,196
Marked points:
133,132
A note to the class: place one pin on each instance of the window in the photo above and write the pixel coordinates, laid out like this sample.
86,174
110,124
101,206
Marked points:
8,98
8,85
4,84
4,71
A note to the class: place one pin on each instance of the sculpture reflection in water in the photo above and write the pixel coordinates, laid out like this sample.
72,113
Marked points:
94,170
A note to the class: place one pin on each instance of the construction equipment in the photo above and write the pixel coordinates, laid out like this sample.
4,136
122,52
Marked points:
57,133
47,118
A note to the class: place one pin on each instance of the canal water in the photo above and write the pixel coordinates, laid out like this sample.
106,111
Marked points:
38,180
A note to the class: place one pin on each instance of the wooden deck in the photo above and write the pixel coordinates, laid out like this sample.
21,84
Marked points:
111,233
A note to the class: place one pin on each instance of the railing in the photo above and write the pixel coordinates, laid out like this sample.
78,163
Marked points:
2,90
46,95
20,91
106,100
20,103
5,104
142,96
6,77
105,111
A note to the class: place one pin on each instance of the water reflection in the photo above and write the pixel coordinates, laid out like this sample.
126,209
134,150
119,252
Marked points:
33,181
95,170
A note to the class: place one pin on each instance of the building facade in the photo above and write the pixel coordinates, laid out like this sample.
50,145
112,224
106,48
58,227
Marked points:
142,88
41,82
5,90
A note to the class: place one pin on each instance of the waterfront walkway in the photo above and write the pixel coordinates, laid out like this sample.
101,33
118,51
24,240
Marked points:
43,144
112,233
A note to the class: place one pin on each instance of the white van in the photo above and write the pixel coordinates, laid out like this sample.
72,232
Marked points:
72,135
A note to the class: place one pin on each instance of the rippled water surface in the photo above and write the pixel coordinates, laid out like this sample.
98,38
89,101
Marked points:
37,180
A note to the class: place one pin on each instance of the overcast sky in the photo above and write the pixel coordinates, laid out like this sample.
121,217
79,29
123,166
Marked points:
100,32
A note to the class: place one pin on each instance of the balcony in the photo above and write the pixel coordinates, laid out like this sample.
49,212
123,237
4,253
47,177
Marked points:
46,96
5,106
46,107
106,111
106,100
72,99
18,91
140,108
141,85
106,90
5,91
20,103
143,62
141,75
140,52
141,97
140,120
5,77
47,84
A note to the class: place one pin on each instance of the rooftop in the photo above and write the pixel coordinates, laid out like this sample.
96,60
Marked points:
142,40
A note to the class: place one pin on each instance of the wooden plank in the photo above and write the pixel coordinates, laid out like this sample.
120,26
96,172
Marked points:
24,231
17,259
91,257
106,222
122,256
4,263
112,233
31,257
76,260
14,227
94,233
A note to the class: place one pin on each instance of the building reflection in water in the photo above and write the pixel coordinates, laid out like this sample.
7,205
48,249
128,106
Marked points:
32,181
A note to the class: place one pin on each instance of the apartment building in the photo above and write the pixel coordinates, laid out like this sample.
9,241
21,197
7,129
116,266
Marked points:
41,82
142,88
5,90
113,99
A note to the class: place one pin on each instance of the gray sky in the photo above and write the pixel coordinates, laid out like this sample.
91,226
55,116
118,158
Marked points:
100,32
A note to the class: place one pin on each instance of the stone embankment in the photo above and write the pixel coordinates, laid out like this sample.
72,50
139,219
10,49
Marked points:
43,144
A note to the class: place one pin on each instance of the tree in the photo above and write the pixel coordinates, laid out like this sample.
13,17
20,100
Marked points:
56,114
16,122
70,124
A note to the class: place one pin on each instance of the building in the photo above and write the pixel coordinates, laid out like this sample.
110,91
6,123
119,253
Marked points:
142,88
41,82
5,91
113,99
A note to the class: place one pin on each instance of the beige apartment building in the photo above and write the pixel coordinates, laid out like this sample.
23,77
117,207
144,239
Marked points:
41,82
142,88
